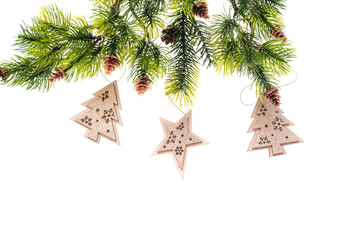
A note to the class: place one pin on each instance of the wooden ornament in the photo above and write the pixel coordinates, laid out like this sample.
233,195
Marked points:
178,137
102,114
271,129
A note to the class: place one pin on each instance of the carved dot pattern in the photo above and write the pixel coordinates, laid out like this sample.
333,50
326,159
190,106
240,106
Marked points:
171,138
87,121
263,110
108,114
180,127
277,124
179,151
264,140
105,95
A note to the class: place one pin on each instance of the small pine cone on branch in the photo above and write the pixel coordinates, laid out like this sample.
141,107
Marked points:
277,32
57,74
169,35
200,9
110,64
142,85
3,73
273,96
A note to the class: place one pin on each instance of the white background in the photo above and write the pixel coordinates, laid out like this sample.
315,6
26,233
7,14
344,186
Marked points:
56,184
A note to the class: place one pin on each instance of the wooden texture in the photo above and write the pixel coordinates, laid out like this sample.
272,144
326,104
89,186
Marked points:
102,114
271,129
178,137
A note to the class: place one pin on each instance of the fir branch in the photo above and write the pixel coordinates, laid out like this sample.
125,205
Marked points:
240,50
248,62
24,72
203,42
261,78
184,73
224,31
275,55
118,32
224,28
182,6
152,16
238,41
264,19
260,16
149,60
53,40
234,6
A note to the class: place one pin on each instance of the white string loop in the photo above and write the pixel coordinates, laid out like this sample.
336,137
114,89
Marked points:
285,85
121,77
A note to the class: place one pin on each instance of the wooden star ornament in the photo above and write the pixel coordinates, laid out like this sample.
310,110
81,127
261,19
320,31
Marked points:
178,138
102,114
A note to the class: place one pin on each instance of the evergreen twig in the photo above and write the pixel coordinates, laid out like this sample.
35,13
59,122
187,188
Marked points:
238,41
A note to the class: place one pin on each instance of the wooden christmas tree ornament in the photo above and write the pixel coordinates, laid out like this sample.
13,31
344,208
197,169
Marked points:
271,129
102,114
178,137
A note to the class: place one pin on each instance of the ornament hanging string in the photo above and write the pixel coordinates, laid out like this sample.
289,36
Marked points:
121,77
175,105
285,85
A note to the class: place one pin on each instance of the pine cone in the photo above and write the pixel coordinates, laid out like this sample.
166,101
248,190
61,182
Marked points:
3,73
142,85
169,35
273,96
200,9
57,74
278,33
110,64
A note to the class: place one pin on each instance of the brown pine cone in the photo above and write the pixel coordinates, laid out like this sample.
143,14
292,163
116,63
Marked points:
57,74
110,64
142,85
169,35
278,33
200,9
273,96
3,73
